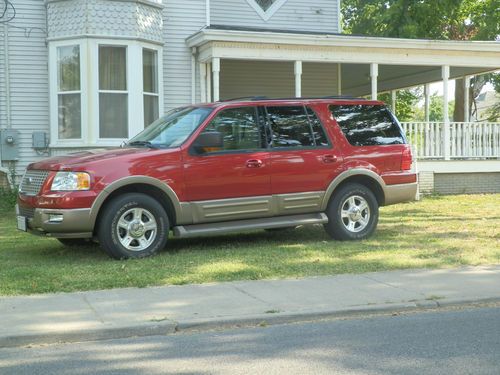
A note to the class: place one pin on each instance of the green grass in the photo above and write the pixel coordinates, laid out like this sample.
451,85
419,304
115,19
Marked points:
447,231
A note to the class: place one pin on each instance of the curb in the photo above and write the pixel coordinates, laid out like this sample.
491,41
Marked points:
170,327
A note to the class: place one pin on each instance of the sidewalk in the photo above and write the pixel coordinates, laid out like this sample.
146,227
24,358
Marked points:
130,312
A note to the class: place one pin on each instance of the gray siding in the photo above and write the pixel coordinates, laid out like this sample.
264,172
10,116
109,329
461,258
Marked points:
314,15
275,79
180,20
28,57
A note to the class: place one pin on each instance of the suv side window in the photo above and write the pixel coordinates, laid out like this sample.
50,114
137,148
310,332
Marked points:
318,132
367,125
239,129
292,126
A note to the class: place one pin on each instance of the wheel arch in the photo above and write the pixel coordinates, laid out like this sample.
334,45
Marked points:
364,177
155,188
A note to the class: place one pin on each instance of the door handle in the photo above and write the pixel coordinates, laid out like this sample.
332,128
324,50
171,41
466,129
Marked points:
254,163
329,158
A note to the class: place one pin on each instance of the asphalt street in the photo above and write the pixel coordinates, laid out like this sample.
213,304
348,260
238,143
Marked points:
447,342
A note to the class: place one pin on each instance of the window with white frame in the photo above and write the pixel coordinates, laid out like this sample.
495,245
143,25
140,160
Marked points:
103,91
150,85
69,114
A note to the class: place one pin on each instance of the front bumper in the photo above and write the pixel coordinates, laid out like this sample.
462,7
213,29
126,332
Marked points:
60,223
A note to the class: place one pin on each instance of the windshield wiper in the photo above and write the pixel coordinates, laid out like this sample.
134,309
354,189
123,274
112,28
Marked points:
142,143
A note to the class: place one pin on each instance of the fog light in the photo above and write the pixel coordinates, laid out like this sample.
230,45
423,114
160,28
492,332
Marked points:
55,218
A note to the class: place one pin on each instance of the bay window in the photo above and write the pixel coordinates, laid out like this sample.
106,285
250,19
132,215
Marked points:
102,91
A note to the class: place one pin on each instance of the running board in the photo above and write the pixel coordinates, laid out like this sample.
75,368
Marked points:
250,224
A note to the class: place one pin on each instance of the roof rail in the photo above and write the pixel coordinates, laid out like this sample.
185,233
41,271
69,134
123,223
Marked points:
261,97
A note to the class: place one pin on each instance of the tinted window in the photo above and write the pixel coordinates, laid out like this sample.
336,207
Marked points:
367,125
319,135
238,127
290,127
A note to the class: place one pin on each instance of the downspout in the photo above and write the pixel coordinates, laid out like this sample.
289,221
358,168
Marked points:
7,96
193,75
207,13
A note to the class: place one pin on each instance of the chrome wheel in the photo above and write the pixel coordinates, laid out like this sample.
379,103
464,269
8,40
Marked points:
355,213
136,229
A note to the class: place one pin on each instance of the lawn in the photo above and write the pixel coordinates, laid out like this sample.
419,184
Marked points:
443,231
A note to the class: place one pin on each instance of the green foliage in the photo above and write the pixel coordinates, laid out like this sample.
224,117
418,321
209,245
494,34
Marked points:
7,199
406,102
435,109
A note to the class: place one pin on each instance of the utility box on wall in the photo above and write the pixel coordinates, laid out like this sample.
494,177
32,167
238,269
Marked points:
9,145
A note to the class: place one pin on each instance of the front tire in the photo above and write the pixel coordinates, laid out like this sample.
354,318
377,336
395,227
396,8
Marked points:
133,225
352,213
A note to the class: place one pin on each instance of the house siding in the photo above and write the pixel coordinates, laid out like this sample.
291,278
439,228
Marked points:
318,15
28,73
181,19
275,79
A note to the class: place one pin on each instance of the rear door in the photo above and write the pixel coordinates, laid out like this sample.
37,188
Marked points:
304,160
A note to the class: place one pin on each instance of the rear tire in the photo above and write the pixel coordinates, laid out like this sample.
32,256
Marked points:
133,225
352,213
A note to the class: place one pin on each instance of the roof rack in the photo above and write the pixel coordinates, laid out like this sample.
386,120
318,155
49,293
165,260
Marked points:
262,97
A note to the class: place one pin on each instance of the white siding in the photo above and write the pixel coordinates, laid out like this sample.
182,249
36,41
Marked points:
180,20
313,15
28,77
240,78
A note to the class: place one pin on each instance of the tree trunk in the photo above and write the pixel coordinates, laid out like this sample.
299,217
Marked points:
458,113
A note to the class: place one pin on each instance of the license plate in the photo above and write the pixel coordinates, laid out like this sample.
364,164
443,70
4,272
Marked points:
21,223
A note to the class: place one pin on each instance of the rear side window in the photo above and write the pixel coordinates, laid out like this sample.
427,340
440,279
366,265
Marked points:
367,125
293,126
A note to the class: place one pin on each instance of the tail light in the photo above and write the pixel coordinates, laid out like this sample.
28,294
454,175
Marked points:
406,158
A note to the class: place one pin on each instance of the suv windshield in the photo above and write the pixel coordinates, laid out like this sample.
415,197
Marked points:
172,129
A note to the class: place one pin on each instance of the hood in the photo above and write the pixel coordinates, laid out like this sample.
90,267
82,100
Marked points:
84,158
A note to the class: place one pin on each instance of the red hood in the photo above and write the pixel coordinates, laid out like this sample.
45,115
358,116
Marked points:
84,158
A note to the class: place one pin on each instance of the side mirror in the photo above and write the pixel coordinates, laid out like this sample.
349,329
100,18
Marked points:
209,141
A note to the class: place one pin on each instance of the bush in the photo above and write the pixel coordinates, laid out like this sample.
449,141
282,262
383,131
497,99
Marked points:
7,198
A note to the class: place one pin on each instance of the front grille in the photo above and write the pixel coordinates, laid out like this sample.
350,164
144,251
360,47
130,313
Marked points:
28,212
32,181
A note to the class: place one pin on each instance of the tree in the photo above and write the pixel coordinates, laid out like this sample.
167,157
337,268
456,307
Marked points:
444,19
406,103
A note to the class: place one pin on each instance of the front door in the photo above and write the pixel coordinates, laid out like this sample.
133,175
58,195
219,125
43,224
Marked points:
232,182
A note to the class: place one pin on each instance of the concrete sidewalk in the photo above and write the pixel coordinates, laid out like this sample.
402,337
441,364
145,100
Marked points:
130,312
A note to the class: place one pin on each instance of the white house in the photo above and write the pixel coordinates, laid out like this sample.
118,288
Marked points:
79,74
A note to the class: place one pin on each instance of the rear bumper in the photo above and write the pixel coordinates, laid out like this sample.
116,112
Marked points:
61,223
400,193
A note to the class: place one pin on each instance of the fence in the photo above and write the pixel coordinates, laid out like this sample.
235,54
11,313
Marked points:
462,140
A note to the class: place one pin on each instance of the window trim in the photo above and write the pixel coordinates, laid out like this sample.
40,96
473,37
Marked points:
146,93
89,87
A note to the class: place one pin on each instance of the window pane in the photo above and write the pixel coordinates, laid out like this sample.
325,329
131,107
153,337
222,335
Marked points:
290,127
69,116
149,69
366,125
318,132
150,109
68,68
112,68
238,127
113,115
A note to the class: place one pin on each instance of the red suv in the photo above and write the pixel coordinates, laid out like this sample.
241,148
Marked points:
225,167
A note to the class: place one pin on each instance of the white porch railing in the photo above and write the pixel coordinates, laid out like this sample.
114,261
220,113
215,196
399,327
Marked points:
467,140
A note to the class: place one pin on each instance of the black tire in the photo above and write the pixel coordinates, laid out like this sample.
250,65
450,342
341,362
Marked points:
113,237
72,242
341,228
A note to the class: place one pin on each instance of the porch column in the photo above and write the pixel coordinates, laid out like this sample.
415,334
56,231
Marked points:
215,77
445,70
203,81
298,79
339,79
393,100
427,102
209,83
374,79
466,98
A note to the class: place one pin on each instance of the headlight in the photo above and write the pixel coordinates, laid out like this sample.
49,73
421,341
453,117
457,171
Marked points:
70,181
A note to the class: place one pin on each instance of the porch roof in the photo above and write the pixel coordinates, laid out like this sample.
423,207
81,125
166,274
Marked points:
403,62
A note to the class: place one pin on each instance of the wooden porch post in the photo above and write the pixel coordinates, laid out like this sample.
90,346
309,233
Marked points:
374,79
393,100
215,77
445,70
427,102
298,79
